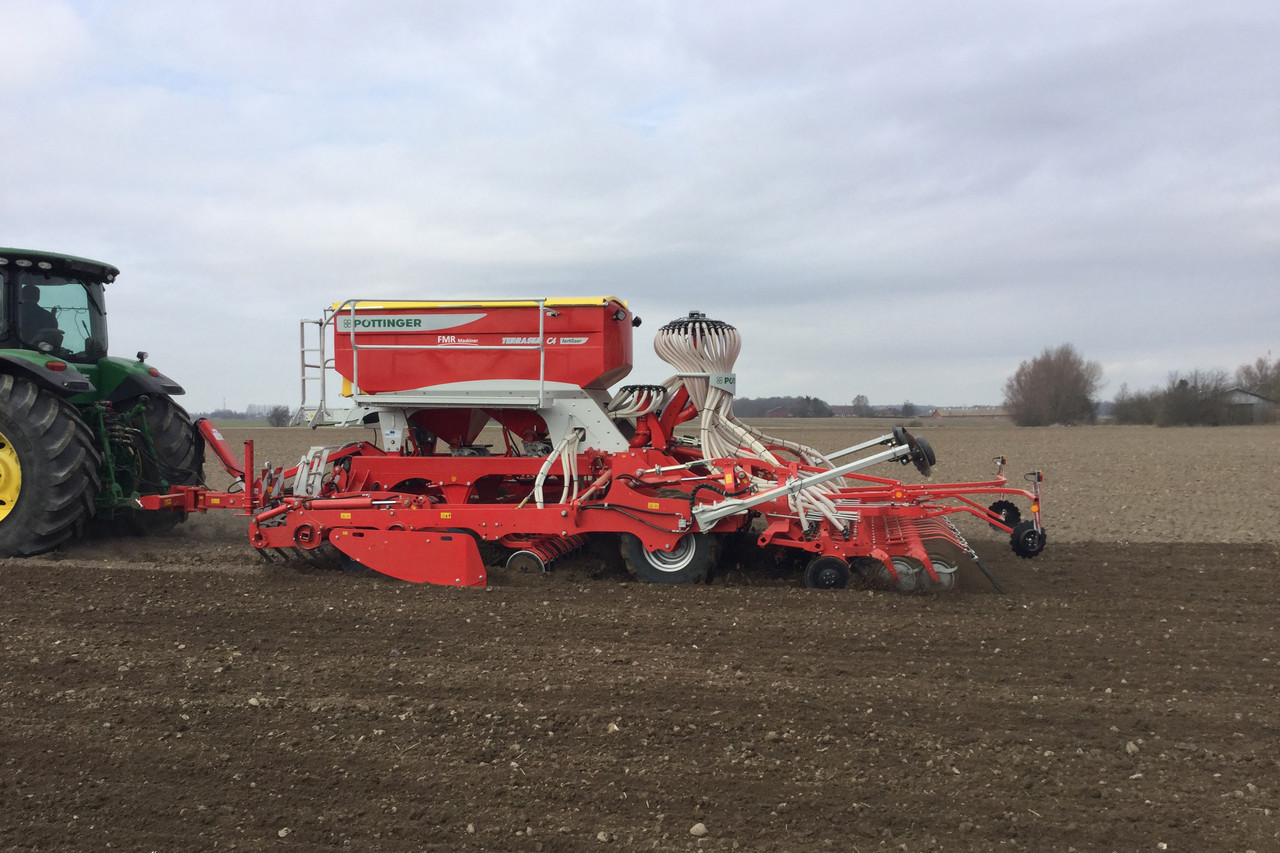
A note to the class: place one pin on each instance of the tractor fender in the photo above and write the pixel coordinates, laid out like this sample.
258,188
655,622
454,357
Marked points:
64,383
136,384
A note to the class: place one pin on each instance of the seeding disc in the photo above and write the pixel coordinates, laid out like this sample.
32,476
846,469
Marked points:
946,572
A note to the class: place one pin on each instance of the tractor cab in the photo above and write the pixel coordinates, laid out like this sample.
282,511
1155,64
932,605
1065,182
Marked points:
54,305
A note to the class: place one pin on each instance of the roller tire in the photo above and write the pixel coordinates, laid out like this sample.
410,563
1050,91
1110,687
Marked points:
48,470
688,562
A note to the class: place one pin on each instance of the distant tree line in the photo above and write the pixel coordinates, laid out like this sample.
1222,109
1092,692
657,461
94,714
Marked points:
862,408
1060,387
276,416
1198,398
815,407
797,407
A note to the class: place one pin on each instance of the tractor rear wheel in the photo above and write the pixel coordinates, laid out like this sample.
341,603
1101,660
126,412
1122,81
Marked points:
687,562
179,458
48,470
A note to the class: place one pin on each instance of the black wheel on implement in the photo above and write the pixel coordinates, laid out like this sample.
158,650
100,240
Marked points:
922,455
827,572
48,470
688,561
1026,541
1008,512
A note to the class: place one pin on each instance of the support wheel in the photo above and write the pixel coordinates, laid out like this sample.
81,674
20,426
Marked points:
687,561
1008,512
48,470
922,455
827,573
1026,540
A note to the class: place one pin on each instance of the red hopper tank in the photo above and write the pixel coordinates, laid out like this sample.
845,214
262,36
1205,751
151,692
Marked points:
400,346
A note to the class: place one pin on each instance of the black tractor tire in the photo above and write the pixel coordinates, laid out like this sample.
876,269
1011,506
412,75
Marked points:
179,448
48,469
178,460
688,562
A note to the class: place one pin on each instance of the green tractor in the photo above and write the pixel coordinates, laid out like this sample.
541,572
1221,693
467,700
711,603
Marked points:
82,434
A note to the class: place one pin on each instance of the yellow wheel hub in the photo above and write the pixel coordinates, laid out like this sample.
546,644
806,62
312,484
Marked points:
10,477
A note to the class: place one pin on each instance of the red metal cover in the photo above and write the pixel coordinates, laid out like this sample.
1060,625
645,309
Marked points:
406,345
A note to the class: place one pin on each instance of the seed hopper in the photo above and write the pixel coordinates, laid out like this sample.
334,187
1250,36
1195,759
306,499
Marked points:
666,469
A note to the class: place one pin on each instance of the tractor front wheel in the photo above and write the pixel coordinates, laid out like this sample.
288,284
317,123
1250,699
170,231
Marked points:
686,562
48,470
178,459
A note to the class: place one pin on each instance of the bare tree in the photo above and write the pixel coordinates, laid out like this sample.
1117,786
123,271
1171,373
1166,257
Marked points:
1262,378
1137,407
279,416
1196,399
862,406
1056,387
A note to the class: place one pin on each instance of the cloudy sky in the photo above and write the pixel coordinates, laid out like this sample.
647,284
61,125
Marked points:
903,200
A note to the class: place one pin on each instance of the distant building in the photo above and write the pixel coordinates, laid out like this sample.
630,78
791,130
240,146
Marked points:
778,412
1246,407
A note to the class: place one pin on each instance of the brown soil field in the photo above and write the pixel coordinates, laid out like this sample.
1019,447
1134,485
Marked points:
175,692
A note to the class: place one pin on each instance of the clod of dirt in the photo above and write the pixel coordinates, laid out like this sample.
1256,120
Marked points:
698,830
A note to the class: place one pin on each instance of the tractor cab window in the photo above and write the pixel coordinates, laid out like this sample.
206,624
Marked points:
62,316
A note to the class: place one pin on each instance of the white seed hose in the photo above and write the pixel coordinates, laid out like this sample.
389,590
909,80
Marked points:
699,349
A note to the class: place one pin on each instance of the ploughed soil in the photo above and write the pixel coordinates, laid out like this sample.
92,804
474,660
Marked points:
176,692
